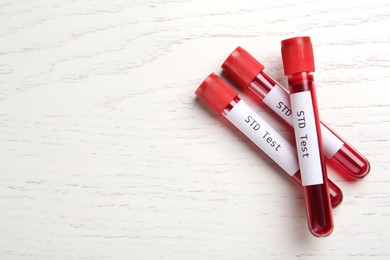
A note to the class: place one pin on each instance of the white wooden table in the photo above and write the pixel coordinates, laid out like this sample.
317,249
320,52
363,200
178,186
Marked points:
106,154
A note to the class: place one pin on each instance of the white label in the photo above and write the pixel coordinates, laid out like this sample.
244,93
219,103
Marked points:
306,138
279,101
264,136
330,141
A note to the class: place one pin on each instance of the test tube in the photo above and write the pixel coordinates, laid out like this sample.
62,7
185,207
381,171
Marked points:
223,100
298,63
249,73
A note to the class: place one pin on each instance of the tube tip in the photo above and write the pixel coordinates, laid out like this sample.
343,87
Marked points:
297,55
215,93
242,67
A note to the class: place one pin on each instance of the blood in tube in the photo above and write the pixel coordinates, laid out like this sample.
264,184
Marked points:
223,100
249,73
298,63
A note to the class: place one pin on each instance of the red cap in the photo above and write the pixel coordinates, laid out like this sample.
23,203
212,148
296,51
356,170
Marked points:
215,93
242,67
297,55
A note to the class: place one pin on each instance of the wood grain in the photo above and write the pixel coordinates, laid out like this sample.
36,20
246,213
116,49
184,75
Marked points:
106,154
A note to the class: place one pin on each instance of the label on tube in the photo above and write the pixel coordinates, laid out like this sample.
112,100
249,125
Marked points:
331,143
279,101
306,138
264,136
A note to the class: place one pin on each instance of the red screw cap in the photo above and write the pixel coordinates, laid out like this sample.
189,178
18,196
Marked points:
215,93
242,67
297,55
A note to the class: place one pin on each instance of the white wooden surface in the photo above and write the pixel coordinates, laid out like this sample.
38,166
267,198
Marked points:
106,154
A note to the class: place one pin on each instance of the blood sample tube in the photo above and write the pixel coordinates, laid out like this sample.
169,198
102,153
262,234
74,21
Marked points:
298,63
223,100
249,73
